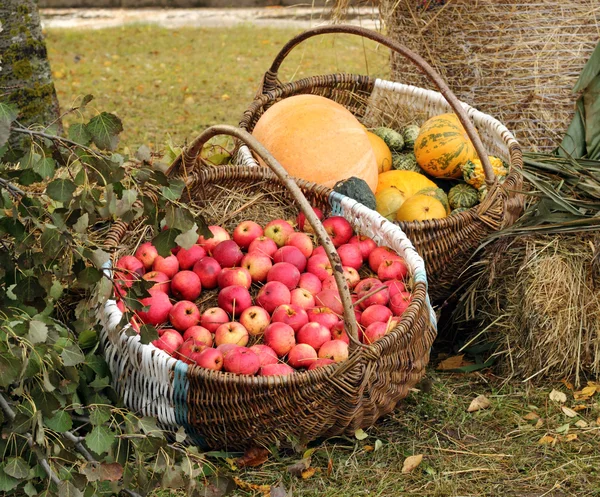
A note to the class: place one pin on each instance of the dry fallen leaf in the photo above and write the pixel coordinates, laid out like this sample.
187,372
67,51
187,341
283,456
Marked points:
329,467
308,472
571,437
278,491
453,362
360,434
411,462
368,448
581,424
478,403
254,456
567,411
587,392
567,384
531,416
298,467
539,424
557,396
580,407
249,487
547,440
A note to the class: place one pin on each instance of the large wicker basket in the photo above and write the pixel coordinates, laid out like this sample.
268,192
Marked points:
447,244
220,409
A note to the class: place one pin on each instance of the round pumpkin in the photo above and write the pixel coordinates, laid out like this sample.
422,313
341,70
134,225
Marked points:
318,140
388,201
383,154
408,182
442,146
421,208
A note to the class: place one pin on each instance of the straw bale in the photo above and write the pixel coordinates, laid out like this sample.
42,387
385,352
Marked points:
515,60
538,298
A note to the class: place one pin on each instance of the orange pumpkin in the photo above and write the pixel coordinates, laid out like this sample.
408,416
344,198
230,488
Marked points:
383,154
442,146
318,140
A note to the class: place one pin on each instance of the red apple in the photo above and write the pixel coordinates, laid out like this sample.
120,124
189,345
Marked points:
301,355
319,265
336,350
285,273
272,295
131,266
208,270
257,265
302,242
146,253
390,269
212,318
280,337
380,254
278,231
184,315
280,369
368,286
121,306
350,255
319,363
310,282
210,359
375,313
302,298
263,246
255,319
169,341
227,253
314,334
230,276
225,348
395,286
159,308
167,265
303,225
219,235
188,257
352,276
329,283
246,232
190,349
322,315
319,250
162,281
365,244
234,299
292,315
185,285
338,332
331,299
200,334
339,230
241,361
400,302
374,332
290,254
232,332
266,354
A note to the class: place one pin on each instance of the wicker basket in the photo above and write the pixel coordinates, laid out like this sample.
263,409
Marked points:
220,409
447,244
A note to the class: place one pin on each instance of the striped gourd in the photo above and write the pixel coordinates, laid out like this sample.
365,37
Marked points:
406,162
473,174
462,195
392,138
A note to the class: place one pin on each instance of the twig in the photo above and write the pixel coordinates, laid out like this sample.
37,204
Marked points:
367,295
58,139
78,445
16,192
131,493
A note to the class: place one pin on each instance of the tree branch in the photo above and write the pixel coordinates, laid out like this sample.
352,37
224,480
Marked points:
16,192
60,139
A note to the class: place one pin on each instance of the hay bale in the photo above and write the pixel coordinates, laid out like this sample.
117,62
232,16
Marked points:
517,61
538,298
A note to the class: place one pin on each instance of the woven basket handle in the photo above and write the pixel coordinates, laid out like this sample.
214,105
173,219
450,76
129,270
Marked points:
271,81
324,240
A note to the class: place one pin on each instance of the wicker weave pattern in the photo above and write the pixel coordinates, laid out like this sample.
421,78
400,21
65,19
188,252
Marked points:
224,410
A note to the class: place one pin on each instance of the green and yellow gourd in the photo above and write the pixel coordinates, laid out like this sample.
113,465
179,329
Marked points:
392,138
406,162
410,133
474,175
438,194
458,210
462,195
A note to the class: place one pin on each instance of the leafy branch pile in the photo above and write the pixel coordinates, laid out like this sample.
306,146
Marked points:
61,434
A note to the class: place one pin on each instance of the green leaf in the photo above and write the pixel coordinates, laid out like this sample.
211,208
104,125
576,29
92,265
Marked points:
125,203
148,333
7,482
89,277
61,190
68,489
79,134
4,133
87,339
174,189
143,154
165,241
60,422
100,382
38,331
16,467
104,130
45,168
29,177
188,239
8,112
149,427
86,100
100,415
72,355
10,368
29,291
178,218
82,223
100,439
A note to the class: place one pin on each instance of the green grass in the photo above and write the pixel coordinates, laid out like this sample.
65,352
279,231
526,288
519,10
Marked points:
176,83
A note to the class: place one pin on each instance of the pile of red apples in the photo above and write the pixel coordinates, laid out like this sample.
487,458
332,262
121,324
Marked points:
279,309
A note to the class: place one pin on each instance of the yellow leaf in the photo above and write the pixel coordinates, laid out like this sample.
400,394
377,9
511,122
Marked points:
531,416
581,424
249,487
567,384
557,396
225,97
452,362
368,448
231,462
585,392
478,403
567,411
360,434
307,473
411,462
547,440
571,437
539,423
580,407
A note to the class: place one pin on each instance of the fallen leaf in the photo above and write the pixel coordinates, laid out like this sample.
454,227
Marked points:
539,424
378,445
453,362
580,407
581,424
231,462
571,437
478,403
411,462
547,440
298,467
307,473
254,456
249,487
598,422
102,472
586,392
279,491
329,467
567,411
360,434
567,384
531,416
225,96
557,396
564,428
368,448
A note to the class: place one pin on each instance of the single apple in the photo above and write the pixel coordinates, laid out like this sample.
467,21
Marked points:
212,318
188,257
280,369
131,266
219,235
208,270
338,332
285,273
184,314
290,314
163,283
266,354
246,232
241,361
159,307
210,359
322,315
257,265
390,269
230,276
320,362
331,299
377,291
146,253
167,265
264,246
395,286
374,332
225,348
380,254
234,299
190,349
365,244
272,295
352,276
400,302
255,319
350,255
319,250
339,230
290,254
303,225
232,332
302,298
278,230
319,265
185,285
301,355
310,282
200,334
314,334
337,350
227,253
169,341
375,313
302,242
280,337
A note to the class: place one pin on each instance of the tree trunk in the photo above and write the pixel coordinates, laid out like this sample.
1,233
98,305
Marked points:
25,76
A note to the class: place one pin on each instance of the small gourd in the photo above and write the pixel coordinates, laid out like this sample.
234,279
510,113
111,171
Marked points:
410,133
406,162
462,195
458,210
392,138
389,201
473,174
357,189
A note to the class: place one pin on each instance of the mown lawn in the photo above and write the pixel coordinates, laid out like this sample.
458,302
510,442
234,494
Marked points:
168,86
